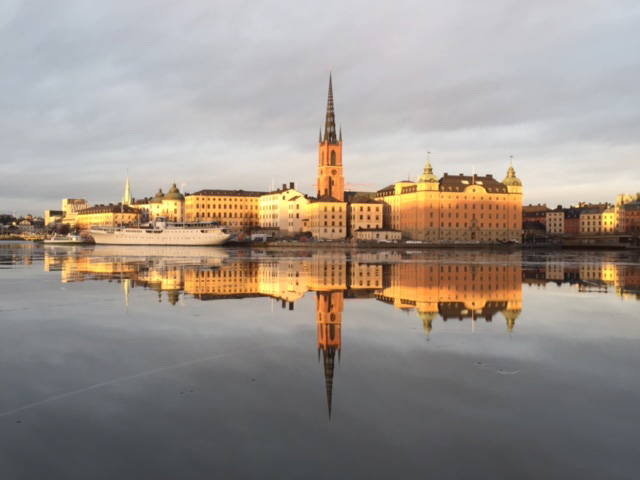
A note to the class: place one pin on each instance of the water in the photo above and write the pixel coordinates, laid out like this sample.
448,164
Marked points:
146,362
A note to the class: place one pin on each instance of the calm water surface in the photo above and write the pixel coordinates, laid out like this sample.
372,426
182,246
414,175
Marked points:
163,363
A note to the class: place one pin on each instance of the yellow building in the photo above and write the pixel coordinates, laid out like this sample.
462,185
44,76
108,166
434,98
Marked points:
327,218
70,209
107,215
455,208
555,221
609,222
365,213
591,222
170,205
236,209
298,215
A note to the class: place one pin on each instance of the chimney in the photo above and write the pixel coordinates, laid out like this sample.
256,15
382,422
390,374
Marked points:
292,185
284,186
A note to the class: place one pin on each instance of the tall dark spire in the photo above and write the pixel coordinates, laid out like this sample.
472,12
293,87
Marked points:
329,355
330,123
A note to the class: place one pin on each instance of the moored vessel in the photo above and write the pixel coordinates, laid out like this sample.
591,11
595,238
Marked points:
69,239
161,232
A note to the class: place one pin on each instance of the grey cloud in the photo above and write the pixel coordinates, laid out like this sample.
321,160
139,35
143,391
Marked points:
218,94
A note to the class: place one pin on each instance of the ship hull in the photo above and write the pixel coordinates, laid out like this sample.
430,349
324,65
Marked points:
174,237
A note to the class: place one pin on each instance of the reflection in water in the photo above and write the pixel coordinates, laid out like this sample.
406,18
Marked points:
462,285
450,285
224,381
599,275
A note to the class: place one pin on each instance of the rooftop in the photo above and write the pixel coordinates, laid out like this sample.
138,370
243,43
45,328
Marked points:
229,193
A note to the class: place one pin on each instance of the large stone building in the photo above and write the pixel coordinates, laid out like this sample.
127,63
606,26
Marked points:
365,213
455,208
237,209
591,221
327,218
107,216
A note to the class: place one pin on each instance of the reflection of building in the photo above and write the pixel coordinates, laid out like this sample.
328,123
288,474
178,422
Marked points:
588,276
467,285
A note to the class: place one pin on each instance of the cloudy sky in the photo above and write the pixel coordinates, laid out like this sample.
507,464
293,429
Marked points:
220,94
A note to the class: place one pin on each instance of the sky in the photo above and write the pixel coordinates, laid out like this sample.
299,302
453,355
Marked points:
231,95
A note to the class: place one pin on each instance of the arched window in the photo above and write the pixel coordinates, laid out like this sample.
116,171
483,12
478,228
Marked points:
333,157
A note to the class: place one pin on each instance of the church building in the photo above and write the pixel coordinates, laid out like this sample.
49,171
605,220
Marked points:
328,211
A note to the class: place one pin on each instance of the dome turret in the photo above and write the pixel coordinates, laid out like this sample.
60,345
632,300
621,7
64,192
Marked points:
428,175
511,180
511,315
158,198
174,194
427,318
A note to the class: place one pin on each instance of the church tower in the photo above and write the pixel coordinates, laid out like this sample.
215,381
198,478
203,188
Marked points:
330,176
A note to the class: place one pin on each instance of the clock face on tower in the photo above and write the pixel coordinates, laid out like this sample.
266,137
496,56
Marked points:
334,171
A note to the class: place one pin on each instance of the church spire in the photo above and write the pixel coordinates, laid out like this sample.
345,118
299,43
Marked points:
126,200
330,122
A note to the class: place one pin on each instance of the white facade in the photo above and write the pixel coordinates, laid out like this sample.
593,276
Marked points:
283,209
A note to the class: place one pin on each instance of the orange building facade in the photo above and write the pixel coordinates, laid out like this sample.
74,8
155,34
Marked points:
455,208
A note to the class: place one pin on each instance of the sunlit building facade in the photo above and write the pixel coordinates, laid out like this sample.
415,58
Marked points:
237,209
107,216
455,208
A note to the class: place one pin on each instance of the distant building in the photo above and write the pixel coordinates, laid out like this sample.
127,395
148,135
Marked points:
572,221
630,217
535,213
591,221
554,221
627,211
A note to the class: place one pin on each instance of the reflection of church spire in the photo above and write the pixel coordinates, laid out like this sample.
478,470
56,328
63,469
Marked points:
329,356
329,307
126,284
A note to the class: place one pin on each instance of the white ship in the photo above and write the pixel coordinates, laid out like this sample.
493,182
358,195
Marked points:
65,240
161,232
